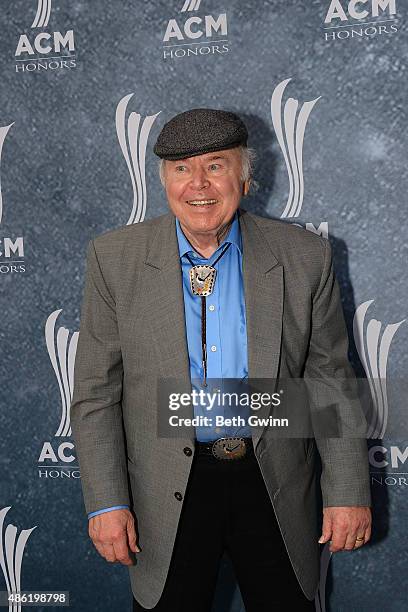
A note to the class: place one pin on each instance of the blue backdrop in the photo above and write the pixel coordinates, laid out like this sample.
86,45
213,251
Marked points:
85,90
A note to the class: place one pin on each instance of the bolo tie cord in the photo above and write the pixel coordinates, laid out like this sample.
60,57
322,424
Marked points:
204,319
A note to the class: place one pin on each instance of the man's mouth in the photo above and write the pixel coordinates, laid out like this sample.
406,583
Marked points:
208,202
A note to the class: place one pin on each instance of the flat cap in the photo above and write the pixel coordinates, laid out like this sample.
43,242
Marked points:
198,131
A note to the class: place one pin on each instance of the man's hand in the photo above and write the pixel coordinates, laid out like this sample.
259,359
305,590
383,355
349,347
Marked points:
344,526
113,534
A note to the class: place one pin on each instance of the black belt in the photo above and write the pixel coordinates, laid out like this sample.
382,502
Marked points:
226,449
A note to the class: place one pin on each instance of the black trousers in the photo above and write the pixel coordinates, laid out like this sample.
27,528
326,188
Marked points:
227,508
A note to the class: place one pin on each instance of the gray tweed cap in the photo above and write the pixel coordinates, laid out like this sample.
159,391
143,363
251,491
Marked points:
198,131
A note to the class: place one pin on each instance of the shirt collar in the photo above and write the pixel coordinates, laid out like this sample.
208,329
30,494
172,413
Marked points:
233,236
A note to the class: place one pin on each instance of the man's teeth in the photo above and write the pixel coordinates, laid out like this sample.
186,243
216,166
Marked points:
201,202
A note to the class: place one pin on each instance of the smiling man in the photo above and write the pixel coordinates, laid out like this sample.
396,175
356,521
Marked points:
210,291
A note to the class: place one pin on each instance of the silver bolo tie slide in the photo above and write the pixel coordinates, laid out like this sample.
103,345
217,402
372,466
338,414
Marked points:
202,281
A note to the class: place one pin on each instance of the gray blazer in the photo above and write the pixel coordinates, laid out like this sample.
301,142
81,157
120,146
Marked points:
133,331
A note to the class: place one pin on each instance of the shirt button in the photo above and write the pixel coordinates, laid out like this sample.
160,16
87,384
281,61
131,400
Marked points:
211,307
178,496
187,451
213,348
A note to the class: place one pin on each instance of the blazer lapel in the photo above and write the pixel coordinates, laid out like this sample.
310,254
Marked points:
263,285
165,304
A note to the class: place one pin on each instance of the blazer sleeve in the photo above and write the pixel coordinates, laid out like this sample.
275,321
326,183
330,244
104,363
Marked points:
345,474
96,409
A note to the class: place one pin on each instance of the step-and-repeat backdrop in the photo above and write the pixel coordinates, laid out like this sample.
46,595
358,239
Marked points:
85,89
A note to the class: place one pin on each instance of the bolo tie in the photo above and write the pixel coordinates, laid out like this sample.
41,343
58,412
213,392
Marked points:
202,281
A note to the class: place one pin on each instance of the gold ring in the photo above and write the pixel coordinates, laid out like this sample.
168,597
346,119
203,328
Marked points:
360,539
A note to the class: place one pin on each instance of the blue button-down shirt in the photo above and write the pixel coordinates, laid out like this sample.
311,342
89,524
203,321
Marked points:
225,327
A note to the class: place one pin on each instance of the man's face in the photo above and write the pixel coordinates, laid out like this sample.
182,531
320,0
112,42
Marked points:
204,191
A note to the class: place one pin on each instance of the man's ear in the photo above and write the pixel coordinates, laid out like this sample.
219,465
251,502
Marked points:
245,187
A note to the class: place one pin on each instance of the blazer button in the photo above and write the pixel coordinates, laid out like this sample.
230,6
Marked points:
187,451
178,495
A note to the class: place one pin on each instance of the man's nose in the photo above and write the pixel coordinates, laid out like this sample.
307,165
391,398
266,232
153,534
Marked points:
199,179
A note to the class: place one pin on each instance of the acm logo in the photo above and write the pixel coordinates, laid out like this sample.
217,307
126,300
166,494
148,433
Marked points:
360,19
61,347
33,52
195,35
11,249
373,340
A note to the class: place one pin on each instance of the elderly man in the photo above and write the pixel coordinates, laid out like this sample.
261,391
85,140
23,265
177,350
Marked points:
210,291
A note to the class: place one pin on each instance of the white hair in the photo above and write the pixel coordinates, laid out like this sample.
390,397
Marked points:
248,157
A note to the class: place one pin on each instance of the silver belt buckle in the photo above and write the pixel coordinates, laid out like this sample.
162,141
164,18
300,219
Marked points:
229,448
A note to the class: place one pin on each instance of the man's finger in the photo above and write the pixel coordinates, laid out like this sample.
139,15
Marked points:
339,537
325,537
363,534
132,536
326,530
366,538
351,540
367,534
122,551
120,546
108,553
360,541
112,552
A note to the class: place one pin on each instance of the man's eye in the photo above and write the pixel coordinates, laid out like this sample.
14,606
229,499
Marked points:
180,168
214,166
